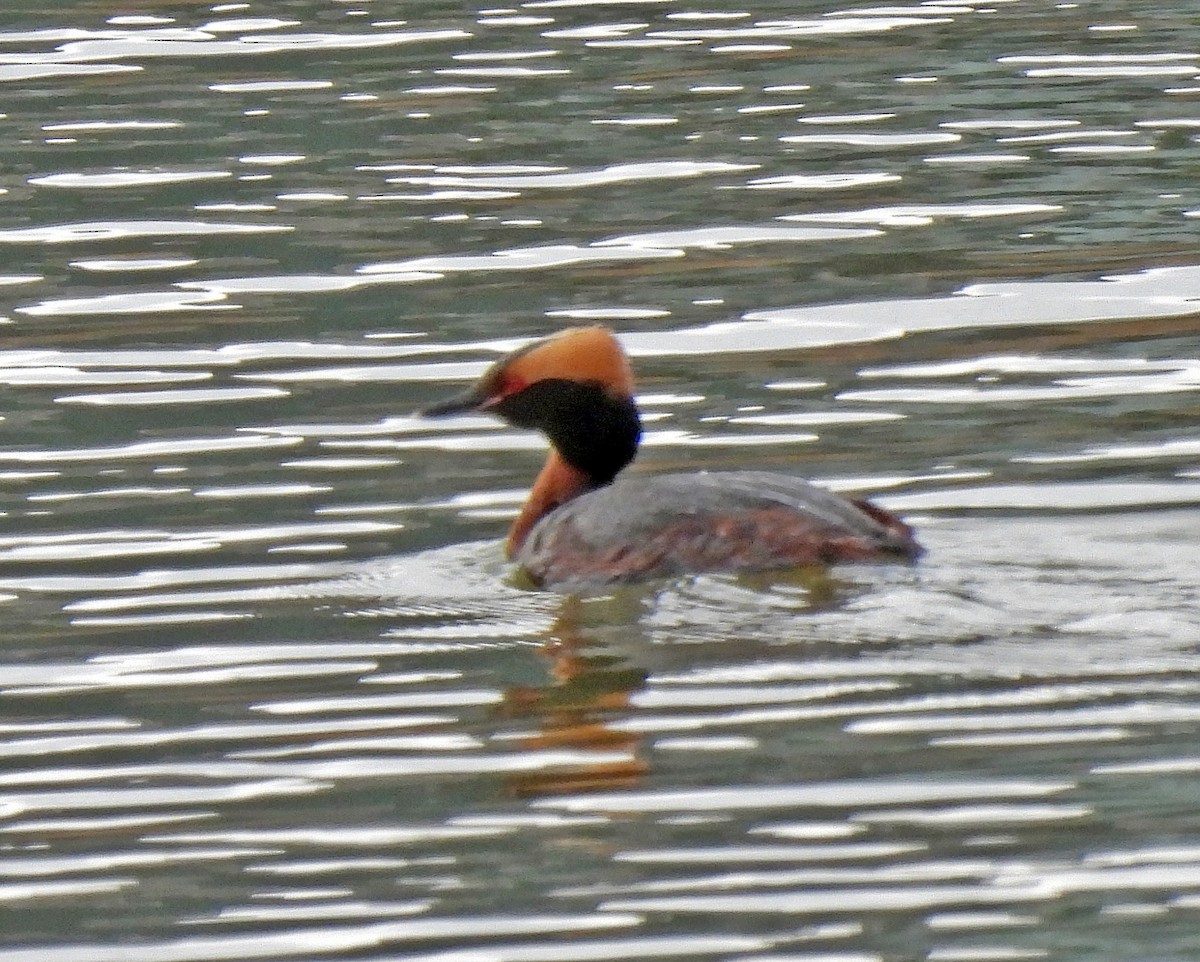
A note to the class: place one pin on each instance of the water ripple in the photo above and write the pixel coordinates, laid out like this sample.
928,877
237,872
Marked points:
188,396
828,795
619,173
150,449
142,302
121,230
293,942
139,798
121,178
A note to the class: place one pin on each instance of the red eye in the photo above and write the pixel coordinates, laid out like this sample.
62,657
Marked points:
510,384
506,386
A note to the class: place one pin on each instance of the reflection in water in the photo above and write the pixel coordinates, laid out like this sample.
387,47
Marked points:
585,688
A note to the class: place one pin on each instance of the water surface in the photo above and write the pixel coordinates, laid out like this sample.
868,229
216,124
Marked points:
271,690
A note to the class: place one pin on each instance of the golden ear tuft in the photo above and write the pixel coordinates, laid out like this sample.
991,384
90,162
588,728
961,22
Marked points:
579,354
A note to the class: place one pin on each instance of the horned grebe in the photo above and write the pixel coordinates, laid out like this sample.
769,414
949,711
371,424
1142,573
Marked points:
582,525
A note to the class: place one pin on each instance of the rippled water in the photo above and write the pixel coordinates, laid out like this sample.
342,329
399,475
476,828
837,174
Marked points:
270,689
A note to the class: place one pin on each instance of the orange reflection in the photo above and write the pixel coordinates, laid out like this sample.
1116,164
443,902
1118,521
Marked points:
569,712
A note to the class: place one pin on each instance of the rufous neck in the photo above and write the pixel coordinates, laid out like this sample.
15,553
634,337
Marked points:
556,484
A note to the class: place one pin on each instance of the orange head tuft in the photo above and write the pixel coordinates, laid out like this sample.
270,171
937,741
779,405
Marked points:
585,355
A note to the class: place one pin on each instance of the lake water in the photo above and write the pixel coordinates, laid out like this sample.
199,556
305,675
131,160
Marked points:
269,689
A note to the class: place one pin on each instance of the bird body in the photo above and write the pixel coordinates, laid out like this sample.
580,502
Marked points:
652,526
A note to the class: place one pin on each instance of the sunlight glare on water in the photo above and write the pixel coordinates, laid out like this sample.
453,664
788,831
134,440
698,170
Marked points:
271,689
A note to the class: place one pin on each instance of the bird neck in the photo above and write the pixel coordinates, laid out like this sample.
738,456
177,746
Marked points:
589,445
556,484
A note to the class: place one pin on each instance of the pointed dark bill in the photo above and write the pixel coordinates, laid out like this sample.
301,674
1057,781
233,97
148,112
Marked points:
470,400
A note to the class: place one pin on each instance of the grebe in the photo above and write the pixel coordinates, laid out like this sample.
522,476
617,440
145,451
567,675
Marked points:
582,525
